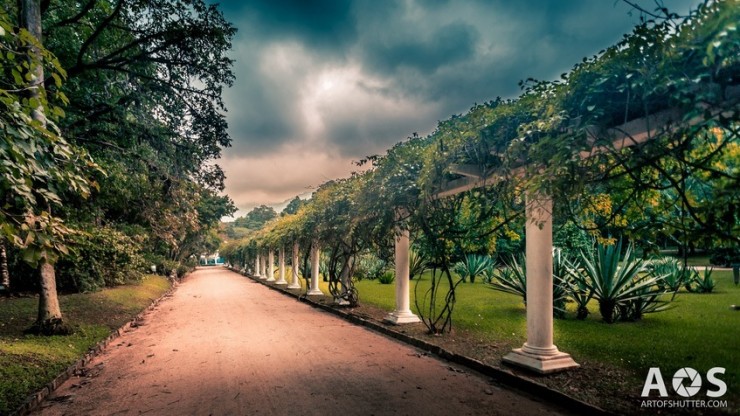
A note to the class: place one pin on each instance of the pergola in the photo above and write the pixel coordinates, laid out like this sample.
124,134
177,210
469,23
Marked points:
538,353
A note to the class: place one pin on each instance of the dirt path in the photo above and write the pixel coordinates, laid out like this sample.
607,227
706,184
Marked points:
224,345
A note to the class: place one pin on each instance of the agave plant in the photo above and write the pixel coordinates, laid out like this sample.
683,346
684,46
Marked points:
648,301
489,273
512,278
417,264
580,292
387,277
561,281
672,275
704,283
614,284
472,266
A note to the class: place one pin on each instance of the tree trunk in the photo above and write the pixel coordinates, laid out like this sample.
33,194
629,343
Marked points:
48,301
4,273
49,320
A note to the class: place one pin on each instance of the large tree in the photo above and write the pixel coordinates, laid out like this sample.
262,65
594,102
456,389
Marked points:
40,168
145,86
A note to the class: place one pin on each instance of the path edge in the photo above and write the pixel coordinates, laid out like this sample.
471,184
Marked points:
34,400
500,375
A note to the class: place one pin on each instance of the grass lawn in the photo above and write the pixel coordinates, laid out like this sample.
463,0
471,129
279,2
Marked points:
700,331
27,362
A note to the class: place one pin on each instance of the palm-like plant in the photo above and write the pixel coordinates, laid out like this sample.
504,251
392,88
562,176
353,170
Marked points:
580,292
614,284
673,274
561,281
417,264
472,266
704,282
512,278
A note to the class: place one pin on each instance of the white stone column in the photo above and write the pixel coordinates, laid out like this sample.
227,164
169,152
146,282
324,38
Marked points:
281,266
538,353
271,265
402,314
315,258
294,283
257,263
263,265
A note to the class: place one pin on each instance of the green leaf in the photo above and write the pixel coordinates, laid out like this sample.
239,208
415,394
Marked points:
17,77
57,79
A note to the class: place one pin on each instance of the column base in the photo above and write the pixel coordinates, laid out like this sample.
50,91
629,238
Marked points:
270,279
316,292
292,286
399,318
281,282
543,364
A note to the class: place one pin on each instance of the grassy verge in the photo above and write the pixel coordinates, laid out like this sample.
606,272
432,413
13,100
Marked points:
700,331
27,363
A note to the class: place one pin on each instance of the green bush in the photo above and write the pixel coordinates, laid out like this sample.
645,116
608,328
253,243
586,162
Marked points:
369,267
571,239
182,270
100,257
387,278
725,256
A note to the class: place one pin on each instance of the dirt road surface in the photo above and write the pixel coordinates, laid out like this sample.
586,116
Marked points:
225,345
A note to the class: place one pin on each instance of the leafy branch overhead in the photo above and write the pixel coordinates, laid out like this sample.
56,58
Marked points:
640,140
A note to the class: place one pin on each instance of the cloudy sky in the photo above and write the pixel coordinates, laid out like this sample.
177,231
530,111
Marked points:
322,83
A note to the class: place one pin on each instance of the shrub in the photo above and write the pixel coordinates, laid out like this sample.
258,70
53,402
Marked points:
100,257
369,267
725,256
571,239
182,270
387,278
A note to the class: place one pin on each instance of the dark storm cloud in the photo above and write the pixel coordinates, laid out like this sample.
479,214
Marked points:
317,23
347,78
445,46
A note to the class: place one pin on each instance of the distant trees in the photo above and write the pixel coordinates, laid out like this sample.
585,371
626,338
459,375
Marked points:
293,206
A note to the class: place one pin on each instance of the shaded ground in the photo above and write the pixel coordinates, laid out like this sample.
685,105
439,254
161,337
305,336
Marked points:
225,345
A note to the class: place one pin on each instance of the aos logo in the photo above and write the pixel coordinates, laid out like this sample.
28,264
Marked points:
686,382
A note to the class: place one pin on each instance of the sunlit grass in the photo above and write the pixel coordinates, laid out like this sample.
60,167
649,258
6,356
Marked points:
699,331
